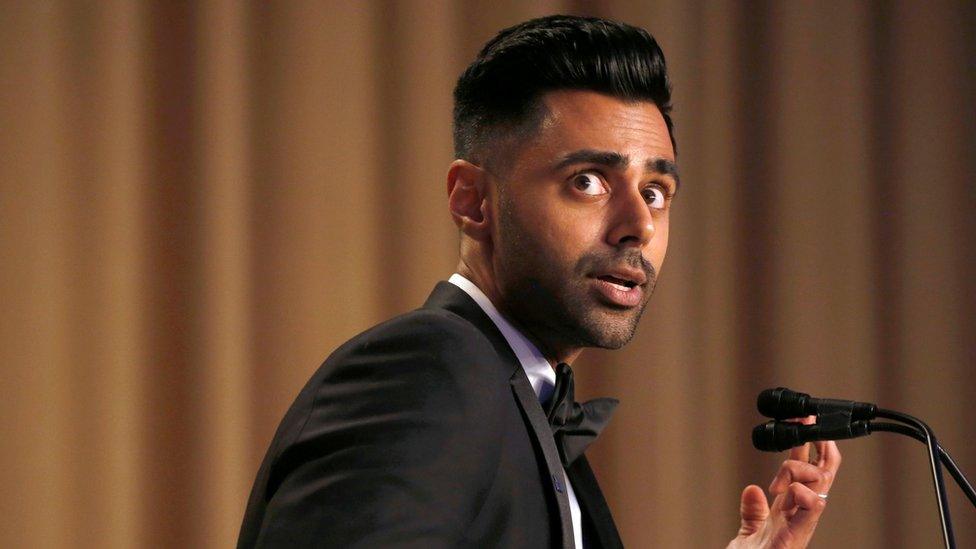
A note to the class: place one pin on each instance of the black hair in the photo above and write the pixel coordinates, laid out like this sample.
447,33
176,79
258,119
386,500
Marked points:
501,90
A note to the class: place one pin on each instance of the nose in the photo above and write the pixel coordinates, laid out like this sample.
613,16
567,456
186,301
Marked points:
632,223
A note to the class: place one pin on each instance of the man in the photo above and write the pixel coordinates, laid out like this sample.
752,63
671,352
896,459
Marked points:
446,427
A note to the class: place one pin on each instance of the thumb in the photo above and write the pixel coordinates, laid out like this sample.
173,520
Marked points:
754,510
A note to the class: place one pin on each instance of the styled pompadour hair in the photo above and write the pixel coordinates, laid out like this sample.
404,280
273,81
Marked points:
500,92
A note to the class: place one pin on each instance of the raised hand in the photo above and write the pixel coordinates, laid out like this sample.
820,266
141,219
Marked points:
800,490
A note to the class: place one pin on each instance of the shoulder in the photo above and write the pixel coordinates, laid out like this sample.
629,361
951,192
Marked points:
424,343
437,327
425,361
422,362
404,424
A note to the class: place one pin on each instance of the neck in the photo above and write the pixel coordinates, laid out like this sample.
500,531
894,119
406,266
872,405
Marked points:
554,353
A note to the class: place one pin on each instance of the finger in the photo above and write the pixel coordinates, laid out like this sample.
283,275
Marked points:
805,507
830,457
802,453
829,461
821,447
753,509
791,471
809,420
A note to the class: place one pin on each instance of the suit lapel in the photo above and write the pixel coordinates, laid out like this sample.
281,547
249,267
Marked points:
532,410
602,531
450,297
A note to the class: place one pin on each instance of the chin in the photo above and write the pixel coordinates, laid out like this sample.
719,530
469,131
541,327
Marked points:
609,333
614,341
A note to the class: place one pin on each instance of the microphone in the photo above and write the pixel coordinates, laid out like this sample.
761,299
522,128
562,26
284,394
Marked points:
843,419
776,436
782,403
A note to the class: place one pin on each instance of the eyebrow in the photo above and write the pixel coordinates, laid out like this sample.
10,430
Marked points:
664,166
615,160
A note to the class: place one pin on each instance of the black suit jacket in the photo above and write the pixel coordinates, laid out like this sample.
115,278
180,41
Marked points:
421,432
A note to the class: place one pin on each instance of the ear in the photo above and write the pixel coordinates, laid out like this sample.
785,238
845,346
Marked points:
468,200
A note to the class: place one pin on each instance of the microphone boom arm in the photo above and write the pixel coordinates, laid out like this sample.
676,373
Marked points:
936,466
957,475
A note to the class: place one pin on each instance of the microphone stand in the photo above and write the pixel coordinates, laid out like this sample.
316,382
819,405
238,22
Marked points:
936,467
944,456
836,419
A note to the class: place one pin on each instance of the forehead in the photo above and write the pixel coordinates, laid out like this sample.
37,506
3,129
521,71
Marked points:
589,120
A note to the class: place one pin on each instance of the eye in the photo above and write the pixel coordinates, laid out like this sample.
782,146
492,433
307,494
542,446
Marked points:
655,197
589,183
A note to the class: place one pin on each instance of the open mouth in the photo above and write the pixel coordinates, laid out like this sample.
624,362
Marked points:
620,283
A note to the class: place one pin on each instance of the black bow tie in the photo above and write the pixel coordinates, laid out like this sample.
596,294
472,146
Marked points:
574,425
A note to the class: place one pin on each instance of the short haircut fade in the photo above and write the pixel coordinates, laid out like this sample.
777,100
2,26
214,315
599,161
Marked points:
501,90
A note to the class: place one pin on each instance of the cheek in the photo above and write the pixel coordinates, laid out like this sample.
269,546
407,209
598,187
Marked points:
572,235
658,247
558,229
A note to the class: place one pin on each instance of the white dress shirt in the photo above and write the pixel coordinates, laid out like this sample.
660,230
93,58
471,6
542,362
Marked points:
540,373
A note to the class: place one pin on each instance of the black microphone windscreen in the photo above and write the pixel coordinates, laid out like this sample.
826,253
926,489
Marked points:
774,436
782,403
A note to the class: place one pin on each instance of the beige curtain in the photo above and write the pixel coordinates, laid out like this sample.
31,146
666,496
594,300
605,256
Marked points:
199,201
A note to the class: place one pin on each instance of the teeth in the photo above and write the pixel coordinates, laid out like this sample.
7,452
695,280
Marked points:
620,287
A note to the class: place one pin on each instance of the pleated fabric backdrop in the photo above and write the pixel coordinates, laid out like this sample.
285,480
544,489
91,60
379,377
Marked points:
199,201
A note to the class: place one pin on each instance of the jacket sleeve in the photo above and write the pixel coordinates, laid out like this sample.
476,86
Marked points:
400,444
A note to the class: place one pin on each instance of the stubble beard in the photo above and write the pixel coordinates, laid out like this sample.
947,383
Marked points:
558,307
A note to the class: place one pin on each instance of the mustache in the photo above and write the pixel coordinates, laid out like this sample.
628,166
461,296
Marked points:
605,261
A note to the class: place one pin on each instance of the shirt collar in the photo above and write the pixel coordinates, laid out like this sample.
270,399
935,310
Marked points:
537,368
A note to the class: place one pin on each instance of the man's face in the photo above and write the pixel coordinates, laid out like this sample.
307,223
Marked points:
582,220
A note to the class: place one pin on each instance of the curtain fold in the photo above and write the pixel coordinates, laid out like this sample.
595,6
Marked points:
199,202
